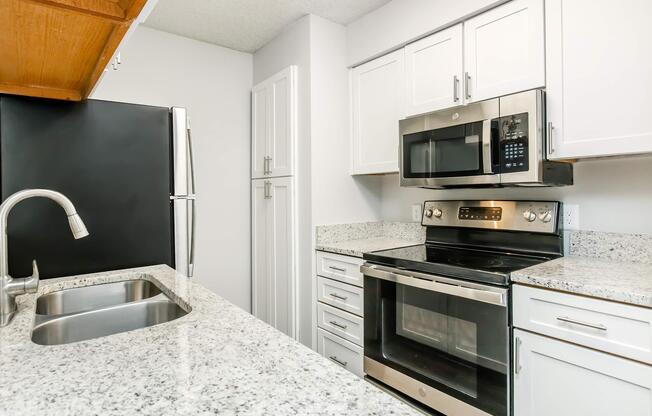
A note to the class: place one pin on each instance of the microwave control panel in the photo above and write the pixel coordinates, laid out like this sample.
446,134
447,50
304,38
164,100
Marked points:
513,142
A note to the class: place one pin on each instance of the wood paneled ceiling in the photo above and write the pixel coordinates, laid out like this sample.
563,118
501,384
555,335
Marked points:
59,48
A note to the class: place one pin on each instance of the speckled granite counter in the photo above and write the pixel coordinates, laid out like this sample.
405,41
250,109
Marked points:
216,359
358,238
606,279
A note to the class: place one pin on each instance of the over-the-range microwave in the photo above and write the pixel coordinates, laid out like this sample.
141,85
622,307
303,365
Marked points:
497,142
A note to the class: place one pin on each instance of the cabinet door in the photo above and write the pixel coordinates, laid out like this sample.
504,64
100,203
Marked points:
281,254
280,146
552,377
273,125
504,50
259,129
377,89
260,241
599,77
434,70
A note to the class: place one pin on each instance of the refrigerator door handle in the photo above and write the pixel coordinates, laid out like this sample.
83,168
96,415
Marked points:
191,162
192,227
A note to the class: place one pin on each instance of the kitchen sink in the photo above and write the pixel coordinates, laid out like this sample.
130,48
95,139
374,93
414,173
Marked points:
79,314
87,298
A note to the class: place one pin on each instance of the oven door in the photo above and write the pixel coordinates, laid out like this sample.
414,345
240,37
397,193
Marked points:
441,341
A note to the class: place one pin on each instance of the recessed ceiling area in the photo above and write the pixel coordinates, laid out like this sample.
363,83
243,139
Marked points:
247,25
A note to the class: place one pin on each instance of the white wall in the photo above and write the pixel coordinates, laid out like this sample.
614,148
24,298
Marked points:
337,197
292,47
613,195
214,84
401,21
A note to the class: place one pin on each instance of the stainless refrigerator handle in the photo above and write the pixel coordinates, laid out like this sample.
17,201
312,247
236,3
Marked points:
192,227
191,162
447,286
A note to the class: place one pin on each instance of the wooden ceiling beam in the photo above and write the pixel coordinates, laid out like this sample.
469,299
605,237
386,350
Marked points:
102,9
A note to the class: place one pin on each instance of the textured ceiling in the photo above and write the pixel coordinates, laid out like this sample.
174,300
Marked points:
246,25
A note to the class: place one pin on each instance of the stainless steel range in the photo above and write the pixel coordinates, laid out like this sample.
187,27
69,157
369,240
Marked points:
437,320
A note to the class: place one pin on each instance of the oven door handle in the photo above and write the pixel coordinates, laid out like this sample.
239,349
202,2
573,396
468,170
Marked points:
439,284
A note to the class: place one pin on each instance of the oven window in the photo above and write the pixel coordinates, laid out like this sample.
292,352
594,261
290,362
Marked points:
456,345
450,151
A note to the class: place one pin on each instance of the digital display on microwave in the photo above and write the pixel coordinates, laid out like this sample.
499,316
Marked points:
480,213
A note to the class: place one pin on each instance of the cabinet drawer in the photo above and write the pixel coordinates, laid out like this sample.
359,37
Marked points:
341,323
340,295
612,327
340,351
343,268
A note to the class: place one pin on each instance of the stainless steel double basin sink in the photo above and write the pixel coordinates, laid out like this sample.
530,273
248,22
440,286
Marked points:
83,313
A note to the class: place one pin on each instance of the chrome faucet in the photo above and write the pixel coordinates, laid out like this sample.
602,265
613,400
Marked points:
10,287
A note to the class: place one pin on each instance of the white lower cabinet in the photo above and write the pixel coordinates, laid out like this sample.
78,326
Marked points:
553,377
273,259
340,351
339,307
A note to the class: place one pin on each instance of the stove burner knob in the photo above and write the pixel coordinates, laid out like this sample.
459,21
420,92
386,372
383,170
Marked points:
428,213
529,215
545,216
437,213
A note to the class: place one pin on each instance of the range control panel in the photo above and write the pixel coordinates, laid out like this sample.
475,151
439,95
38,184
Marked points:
480,213
531,216
514,143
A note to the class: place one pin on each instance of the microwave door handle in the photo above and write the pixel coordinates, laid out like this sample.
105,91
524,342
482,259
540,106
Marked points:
486,147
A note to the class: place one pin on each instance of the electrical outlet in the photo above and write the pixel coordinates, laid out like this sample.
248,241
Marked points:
571,216
416,212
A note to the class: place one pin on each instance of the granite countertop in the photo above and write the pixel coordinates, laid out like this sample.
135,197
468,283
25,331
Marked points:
605,279
357,248
358,238
216,359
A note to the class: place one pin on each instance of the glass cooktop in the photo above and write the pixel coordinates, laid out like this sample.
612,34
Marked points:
472,264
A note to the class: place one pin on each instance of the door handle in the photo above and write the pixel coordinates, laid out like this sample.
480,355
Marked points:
467,85
268,190
336,296
337,324
338,361
456,83
517,355
192,228
551,148
581,323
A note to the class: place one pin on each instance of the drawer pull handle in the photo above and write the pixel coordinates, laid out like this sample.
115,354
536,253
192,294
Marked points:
339,269
337,324
336,296
340,362
582,323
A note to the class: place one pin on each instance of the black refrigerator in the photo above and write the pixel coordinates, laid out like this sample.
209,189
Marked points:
128,170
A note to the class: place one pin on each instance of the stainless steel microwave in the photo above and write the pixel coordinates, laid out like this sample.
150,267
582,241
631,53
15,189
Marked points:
497,142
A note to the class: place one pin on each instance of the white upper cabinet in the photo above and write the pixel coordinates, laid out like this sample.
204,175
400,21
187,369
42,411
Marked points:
377,89
504,50
434,71
273,125
599,81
